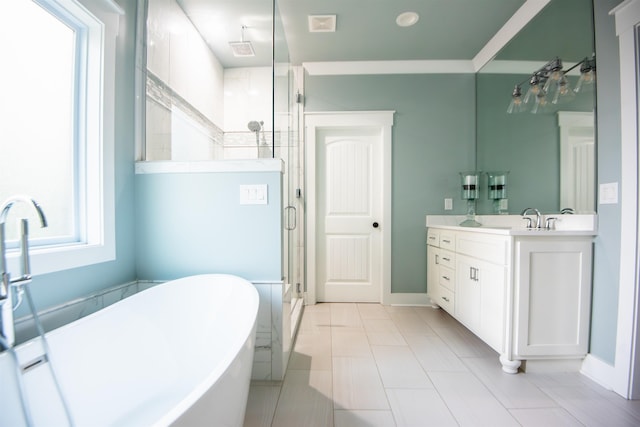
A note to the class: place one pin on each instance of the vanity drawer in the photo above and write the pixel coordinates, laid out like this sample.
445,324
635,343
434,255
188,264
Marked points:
448,241
446,299
447,278
482,246
433,237
447,259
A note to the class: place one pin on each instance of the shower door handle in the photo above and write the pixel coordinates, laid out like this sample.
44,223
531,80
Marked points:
288,225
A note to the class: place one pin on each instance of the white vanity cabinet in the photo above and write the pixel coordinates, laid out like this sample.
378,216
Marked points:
526,295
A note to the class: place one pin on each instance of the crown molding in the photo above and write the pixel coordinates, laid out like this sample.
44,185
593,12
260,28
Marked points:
388,67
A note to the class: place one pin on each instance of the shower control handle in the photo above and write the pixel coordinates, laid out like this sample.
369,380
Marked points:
376,225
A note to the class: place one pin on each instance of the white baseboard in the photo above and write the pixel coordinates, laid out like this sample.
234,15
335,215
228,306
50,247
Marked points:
410,299
598,371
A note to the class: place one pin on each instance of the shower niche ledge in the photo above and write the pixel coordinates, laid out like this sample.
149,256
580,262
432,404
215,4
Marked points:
204,166
526,293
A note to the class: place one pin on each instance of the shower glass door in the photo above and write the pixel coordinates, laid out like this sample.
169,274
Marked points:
287,111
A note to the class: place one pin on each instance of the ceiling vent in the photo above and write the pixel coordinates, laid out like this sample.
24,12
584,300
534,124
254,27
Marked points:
322,23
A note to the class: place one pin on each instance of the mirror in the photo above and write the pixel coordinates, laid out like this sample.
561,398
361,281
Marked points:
550,155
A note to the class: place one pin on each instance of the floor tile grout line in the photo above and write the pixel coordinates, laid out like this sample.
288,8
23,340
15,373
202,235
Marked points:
444,402
386,395
333,380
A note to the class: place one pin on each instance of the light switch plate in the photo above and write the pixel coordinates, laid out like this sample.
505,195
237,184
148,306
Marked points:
448,204
608,193
256,194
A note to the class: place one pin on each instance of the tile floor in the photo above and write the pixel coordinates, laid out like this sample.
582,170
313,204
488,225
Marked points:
372,365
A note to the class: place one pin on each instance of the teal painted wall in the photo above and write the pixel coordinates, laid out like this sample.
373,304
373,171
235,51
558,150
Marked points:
606,271
193,223
527,145
57,288
433,140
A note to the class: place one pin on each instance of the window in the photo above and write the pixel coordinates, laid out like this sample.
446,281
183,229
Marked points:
56,127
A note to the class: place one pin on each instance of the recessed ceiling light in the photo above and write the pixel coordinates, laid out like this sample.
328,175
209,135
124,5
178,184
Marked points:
407,19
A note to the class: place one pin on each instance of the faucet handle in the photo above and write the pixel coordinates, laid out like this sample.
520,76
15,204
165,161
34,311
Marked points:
550,223
529,223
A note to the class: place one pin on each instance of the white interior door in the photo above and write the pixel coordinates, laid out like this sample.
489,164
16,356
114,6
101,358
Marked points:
349,209
348,206
577,161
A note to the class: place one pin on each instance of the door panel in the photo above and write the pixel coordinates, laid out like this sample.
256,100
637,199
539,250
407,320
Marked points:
349,203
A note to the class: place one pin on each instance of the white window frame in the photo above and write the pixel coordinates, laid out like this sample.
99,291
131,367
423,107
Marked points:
95,147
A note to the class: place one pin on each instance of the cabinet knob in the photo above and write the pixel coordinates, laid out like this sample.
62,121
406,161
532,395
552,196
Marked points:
376,225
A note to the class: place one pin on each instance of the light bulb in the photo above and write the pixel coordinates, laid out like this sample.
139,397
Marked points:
587,79
563,91
587,74
534,88
541,103
516,105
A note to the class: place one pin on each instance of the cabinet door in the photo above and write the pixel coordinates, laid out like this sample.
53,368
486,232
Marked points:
467,303
480,299
493,304
553,294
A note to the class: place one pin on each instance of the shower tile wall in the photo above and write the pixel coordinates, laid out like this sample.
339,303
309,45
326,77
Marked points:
215,103
175,129
245,100
61,315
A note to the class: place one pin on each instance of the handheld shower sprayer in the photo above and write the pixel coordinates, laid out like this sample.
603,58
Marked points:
264,151
255,126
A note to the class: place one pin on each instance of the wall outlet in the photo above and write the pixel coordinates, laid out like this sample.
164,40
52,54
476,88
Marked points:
448,204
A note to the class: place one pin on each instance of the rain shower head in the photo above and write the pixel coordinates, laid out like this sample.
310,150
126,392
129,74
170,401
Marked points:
242,48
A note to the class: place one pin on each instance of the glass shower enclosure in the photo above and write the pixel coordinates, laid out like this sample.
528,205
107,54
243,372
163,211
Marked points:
202,102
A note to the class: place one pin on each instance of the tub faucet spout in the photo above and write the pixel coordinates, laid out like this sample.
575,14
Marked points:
6,303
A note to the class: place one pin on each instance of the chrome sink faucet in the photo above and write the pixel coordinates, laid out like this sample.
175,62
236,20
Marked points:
538,218
6,300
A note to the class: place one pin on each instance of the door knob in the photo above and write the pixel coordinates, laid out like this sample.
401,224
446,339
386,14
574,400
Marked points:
375,225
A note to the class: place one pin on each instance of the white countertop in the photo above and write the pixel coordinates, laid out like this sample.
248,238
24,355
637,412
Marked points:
514,225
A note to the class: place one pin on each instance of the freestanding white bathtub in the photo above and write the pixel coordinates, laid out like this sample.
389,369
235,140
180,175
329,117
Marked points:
179,353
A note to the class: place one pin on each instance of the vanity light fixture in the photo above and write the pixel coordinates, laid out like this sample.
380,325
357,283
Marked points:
552,80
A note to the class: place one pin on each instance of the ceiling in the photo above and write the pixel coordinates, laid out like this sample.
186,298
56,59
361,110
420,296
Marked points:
453,30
